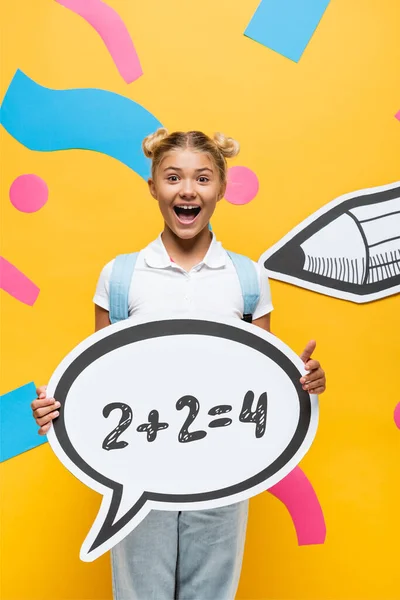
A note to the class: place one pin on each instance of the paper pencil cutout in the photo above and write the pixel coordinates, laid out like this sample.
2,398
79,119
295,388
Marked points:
348,249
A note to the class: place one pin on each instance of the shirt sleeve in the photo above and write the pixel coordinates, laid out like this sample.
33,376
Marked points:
264,305
101,296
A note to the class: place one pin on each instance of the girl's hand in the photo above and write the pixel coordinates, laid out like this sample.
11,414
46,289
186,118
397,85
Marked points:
314,381
44,410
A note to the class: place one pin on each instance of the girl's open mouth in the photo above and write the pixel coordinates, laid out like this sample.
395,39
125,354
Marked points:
187,214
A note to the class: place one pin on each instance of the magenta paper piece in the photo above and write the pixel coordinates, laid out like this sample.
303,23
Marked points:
397,415
397,115
17,284
242,185
299,497
29,193
112,30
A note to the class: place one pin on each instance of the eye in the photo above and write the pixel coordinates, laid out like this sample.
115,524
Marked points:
172,178
203,179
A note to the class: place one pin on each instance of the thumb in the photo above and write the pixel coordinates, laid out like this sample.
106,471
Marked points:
41,391
308,350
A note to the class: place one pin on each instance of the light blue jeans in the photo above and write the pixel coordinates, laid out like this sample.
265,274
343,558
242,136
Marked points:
189,555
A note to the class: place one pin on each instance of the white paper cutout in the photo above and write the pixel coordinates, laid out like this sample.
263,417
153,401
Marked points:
348,249
232,418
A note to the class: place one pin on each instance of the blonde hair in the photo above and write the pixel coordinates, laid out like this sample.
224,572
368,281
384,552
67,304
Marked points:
219,148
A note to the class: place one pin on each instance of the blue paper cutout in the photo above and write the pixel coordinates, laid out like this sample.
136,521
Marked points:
91,119
286,26
18,430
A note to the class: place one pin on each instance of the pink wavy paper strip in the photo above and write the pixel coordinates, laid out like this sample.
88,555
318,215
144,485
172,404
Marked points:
299,497
112,31
17,284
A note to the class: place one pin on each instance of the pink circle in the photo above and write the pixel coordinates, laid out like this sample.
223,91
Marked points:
397,415
28,193
242,185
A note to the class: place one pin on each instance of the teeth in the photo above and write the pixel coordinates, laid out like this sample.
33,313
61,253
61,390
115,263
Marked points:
187,207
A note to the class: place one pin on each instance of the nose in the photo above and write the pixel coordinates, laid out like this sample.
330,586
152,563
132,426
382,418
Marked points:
187,190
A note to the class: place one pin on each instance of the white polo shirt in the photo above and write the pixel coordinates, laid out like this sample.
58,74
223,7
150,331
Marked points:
160,287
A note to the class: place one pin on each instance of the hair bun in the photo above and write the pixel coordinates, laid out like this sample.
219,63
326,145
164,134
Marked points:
152,141
226,145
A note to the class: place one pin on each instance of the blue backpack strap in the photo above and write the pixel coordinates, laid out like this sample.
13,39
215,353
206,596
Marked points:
249,283
120,282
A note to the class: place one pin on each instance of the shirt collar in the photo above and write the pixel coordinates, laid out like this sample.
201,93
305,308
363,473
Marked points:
156,256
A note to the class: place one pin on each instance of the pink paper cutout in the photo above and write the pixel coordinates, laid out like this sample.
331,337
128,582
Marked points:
112,30
242,185
17,284
298,495
397,115
397,415
28,193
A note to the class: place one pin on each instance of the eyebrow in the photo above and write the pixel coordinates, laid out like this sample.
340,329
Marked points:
197,170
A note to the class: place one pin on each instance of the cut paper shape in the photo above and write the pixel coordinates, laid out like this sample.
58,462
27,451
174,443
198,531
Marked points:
397,115
188,459
298,495
89,119
29,193
19,431
242,185
348,249
15,283
286,26
397,415
112,30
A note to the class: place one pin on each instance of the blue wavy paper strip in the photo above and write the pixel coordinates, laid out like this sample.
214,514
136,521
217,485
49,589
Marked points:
18,430
286,26
47,120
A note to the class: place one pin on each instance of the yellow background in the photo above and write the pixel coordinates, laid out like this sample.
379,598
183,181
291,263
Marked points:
311,131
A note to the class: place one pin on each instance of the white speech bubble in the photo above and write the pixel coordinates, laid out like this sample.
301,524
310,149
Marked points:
178,414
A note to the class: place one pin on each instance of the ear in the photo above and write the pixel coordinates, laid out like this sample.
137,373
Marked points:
152,188
222,192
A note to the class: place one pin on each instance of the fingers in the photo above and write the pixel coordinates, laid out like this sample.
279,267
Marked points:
314,382
44,412
42,402
47,419
312,365
318,391
43,430
313,375
308,350
313,385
